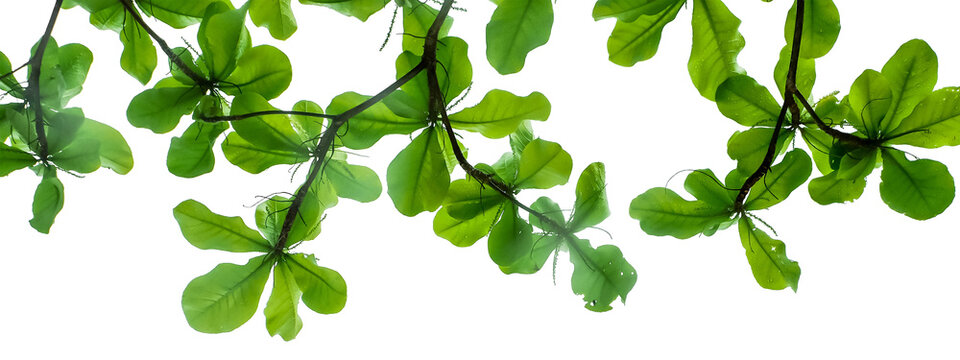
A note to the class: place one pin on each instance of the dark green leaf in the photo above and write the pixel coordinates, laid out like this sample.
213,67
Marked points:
207,230
516,28
47,201
114,152
467,198
857,164
82,156
706,187
223,38
601,275
543,246
417,19
176,13
191,154
510,239
591,206
227,296
551,210
160,109
12,159
920,189
417,179
830,189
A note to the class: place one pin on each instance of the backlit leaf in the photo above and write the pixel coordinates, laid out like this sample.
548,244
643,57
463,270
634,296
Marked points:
207,230
601,275
920,189
716,44
227,296
768,258
324,290
516,28
417,179
543,165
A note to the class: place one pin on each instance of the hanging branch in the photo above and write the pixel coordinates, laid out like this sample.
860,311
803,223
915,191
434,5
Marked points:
325,144
33,84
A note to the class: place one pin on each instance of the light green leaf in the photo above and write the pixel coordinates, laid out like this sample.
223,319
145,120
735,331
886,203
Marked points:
870,98
768,258
223,39
160,109
464,232
543,164
253,159
12,159
191,154
82,156
62,127
75,60
516,28
830,189
591,206
467,198
920,189
551,210
806,72
601,275
637,40
355,182
706,187
520,138
745,101
630,10
500,113
716,44
310,128
543,246
324,290
510,238
264,70
417,179
857,164
275,15
360,9
281,311
662,212
272,132
935,122
749,147
454,74
821,27
780,181
227,296
366,128
912,74
114,152
417,19
207,230
139,56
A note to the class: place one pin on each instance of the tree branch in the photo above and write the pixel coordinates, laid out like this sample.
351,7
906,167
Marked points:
33,84
213,119
197,78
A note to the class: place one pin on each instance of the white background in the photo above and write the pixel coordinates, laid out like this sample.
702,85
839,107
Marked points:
106,283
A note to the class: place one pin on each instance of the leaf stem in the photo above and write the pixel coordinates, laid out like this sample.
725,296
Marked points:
213,119
197,78
33,84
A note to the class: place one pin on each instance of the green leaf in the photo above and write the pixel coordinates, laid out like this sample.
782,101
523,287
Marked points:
935,122
520,138
706,187
308,127
417,19
139,56
464,232
637,40
324,290
506,167
227,296
912,74
820,145
82,156
207,230
417,179
186,56
281,310
367,127
510,239
253,159
114,152
264,70
467,198
47,201
275,15
176,13
75,61
355,182
780,181
551,210
543,246
271,132
821,27
9,83
716,44
223,38
870,98
160,109
749,147
62,127
768,258
272,213
191,154
601,275
454,74
662,212
543,164
830,189
360,9
745,101
806,72
591,206
630,10
500,113
920,189
516,28
12,159
857,164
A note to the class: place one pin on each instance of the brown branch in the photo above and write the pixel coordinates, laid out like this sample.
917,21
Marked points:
33,84
197,78
213,119
326,140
